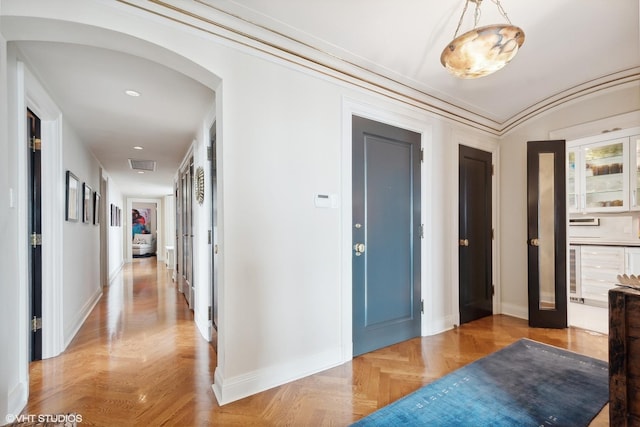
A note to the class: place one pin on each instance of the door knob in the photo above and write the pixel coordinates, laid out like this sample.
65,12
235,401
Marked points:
464,242
534,242
359,248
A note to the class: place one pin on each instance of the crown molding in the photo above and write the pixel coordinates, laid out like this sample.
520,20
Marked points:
265,42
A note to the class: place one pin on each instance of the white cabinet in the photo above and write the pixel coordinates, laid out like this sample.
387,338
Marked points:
600,267
634,174
602,172
632,261
598,176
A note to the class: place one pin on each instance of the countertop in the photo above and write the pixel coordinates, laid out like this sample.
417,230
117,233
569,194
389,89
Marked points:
602,242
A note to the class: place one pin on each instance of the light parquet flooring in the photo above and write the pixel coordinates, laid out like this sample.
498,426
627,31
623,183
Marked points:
139,360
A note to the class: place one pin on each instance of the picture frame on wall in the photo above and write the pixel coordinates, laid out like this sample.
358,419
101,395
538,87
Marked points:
86,203
119,216
96,208
72,195
112,214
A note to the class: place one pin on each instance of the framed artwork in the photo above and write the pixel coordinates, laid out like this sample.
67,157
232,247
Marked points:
113,215
86,203
72,197
96,208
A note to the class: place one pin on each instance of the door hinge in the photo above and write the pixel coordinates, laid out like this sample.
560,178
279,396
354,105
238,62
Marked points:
422,306
210,311
36,324
493,170
422,154
493,290
492,234
209,153
35,144
422,231
35,239
209,236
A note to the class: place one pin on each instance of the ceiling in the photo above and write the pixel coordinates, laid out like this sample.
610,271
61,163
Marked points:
89,85
569,45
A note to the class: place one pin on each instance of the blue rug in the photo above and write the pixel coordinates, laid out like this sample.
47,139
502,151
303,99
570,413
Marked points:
524,384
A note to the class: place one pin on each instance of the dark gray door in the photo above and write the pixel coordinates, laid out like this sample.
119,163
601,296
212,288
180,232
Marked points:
474,230
35,227
386,235
547,234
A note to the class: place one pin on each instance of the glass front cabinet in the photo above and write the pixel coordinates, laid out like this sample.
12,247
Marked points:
603,173
634,170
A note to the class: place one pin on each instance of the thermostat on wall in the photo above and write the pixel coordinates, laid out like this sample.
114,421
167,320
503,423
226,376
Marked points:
325,200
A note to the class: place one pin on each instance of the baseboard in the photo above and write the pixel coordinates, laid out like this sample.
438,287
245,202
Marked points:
436,326
17,399
227,390
204,326
83,313
113,275
515,310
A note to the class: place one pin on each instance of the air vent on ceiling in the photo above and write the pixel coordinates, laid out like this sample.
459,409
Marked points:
142,165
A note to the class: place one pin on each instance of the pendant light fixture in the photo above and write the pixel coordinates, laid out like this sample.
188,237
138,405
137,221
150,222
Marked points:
482,50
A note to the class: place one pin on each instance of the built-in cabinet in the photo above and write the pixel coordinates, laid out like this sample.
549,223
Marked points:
602,172
594,270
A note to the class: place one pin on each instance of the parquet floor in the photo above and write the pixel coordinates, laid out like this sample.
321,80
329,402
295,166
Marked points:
139,360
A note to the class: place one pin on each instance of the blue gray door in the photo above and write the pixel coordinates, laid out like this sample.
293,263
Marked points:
386,235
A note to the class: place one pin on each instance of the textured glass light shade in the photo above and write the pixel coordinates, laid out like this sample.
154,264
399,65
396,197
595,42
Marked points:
482,51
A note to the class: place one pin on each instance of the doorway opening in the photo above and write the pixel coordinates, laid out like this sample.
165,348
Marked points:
144,229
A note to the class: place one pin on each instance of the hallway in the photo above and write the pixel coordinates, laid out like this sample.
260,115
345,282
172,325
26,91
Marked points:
139,360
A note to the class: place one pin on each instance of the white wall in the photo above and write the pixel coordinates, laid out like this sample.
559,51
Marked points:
283,288
115,234
81,261
283,308
513,160
10,381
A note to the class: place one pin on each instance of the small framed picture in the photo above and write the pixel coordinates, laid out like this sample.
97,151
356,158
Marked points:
96,208
87,203
72,197
112,212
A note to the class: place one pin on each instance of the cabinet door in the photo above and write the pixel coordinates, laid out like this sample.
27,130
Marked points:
574,192
632,261
600,266
634,149
606,176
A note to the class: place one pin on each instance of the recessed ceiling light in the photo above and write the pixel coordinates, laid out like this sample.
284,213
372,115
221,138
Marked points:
132,93
140,171
137,147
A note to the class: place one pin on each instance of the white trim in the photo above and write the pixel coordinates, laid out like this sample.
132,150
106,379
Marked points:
17,398
81,316
401,117
159,230
44,107
228,390
114,275
23,229
597,128
515,310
